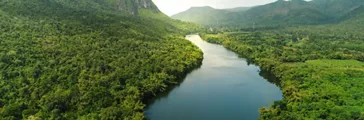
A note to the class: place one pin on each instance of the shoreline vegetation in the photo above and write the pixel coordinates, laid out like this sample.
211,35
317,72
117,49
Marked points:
172,84
315,83
315,48
101,59
85,60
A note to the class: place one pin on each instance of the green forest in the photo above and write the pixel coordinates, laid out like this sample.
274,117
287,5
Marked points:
101,59
277,14
320,65
61,59
321,68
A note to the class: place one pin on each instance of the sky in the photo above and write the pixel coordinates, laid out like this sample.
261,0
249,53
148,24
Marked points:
171,7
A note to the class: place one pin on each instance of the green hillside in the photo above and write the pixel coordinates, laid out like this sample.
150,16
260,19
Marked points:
282,13
110,6
209,16
202,15
274,15
238,9
337,8
356,16
87,59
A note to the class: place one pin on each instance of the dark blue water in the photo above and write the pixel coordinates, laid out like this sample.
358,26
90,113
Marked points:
225,87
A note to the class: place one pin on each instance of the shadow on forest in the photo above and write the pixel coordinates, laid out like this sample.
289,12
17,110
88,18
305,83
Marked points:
267,75
150,99
270,77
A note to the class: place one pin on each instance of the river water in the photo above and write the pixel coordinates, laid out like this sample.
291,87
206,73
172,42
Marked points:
225,87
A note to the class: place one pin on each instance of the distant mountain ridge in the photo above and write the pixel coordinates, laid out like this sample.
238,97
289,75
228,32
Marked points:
204,15
354,16
283,12
238,9
279,13
336,7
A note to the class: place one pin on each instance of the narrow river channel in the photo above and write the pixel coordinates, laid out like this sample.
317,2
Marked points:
225,87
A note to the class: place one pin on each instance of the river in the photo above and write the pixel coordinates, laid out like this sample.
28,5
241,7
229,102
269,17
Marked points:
225,87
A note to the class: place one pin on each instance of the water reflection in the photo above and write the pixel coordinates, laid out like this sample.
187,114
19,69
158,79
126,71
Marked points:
225,87
270,77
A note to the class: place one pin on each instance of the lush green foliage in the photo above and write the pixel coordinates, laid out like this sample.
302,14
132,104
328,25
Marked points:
61,61
319,68
319,89
337,7
290,45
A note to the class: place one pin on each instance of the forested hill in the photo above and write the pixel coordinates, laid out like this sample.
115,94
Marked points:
238,9
127,6
295,12
203,15
279,13
337,7
87,59
354,16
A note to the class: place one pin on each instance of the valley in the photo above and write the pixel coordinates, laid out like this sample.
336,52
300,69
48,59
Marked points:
226,86
314,48
127,60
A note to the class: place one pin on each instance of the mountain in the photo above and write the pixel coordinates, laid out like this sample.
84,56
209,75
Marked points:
337,8
202,15
279,13
135,5
354,17
238,9
293,12
88,59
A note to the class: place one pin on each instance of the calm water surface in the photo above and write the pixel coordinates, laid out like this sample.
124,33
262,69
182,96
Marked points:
225,87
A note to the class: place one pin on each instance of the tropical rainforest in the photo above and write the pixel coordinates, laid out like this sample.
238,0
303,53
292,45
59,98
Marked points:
320,65
88,59
100,59
321,76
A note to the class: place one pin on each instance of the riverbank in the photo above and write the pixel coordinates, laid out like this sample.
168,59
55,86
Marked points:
313,87
191,62
149,97
226,86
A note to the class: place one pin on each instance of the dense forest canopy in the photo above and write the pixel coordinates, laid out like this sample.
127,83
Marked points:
88,59
99,59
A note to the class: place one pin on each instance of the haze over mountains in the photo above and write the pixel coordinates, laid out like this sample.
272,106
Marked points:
279,13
